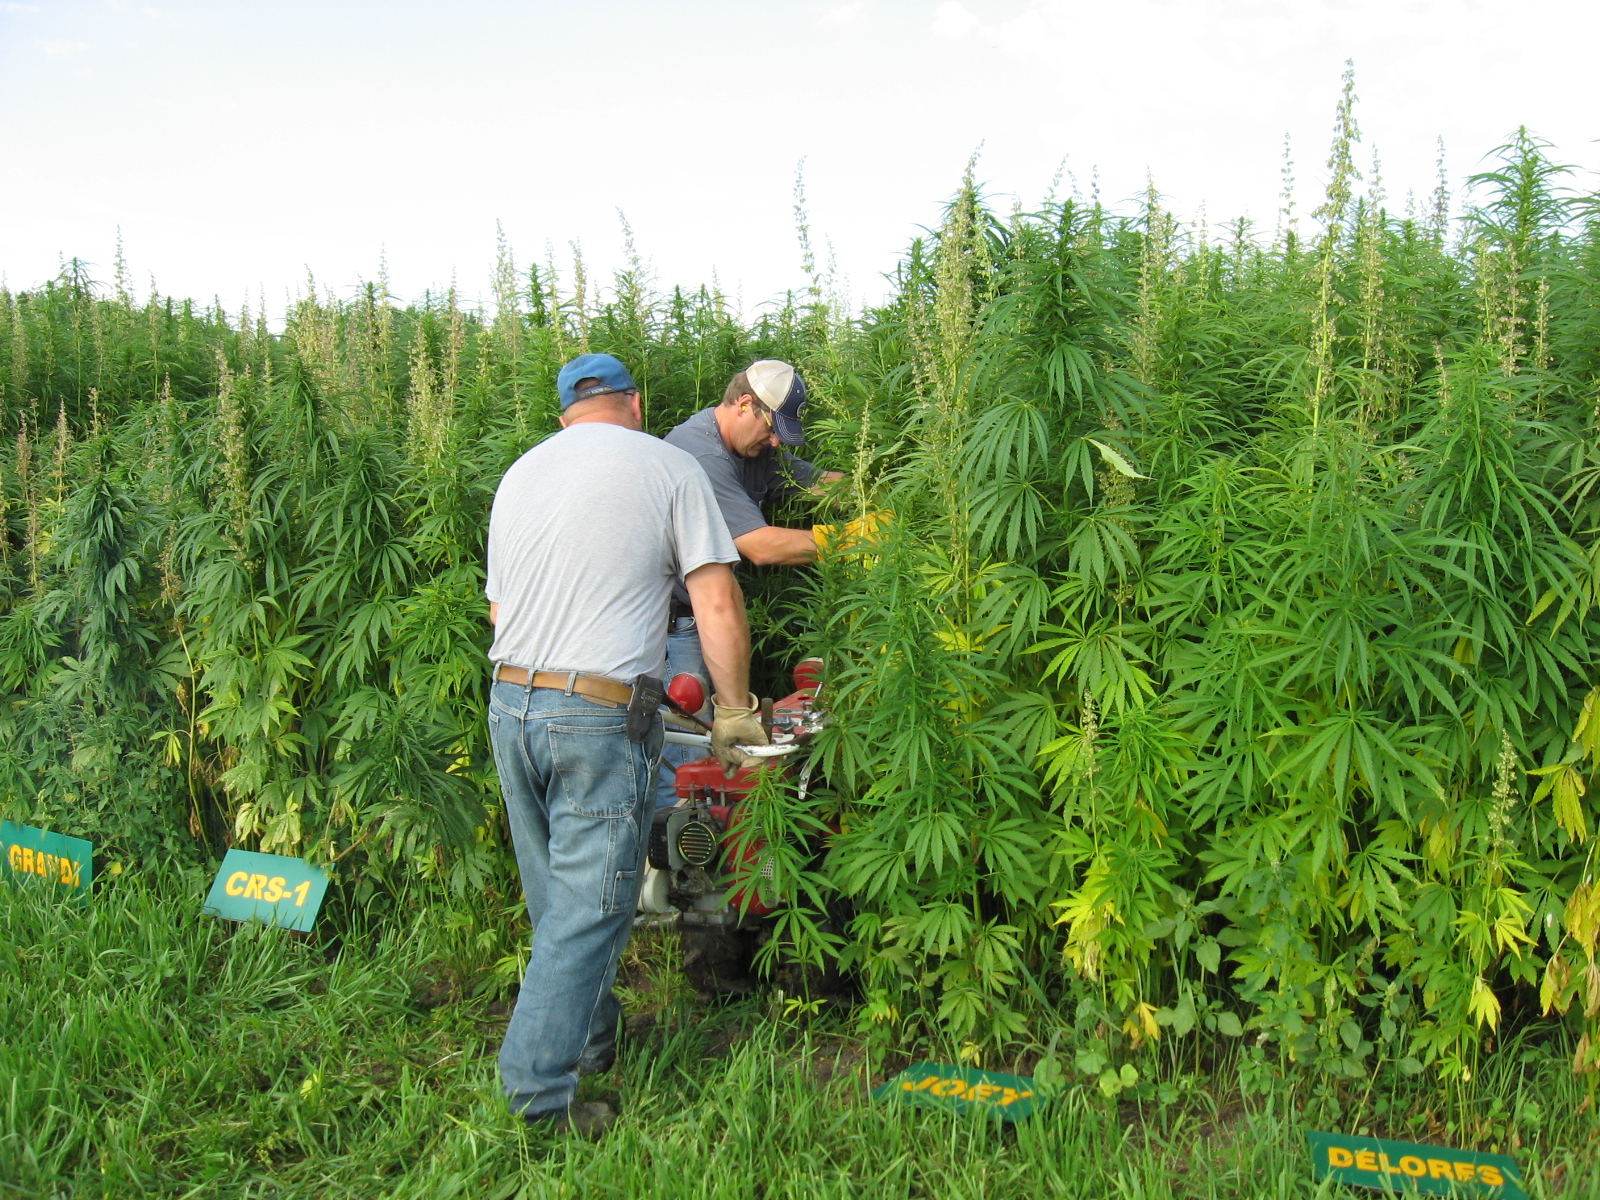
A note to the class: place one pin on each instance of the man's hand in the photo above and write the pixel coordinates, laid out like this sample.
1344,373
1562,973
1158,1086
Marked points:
861,535
733,726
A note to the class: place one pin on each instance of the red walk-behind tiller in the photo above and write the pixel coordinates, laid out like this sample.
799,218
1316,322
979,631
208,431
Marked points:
694,845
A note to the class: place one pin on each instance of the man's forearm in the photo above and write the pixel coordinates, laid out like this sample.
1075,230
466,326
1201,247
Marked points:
775,546
725,644
724,633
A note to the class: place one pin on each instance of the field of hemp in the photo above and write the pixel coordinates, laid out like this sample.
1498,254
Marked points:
1217,700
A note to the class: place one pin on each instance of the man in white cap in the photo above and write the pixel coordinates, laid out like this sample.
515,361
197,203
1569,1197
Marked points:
740,443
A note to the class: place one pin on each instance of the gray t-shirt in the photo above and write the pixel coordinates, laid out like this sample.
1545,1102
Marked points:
589,531
742,485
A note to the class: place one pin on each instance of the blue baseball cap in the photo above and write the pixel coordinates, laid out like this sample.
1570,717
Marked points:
613,377
783,394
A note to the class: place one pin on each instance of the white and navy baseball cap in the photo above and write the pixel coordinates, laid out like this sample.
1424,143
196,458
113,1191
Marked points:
781,390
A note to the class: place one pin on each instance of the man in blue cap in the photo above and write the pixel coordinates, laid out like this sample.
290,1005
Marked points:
740,444
590,533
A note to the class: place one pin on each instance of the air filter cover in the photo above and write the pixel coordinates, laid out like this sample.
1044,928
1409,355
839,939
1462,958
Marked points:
697,842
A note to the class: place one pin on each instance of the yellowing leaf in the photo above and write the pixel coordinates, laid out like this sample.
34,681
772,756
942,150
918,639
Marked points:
1484,1005
1146,1013
1553,987
1565,787
1566,804
1582,917
1115,460
1587,731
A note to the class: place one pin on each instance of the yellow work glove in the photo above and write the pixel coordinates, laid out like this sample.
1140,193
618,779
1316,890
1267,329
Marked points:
861,534
732,726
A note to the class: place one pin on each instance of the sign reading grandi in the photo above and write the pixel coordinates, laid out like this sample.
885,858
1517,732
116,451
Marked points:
270,888
29,853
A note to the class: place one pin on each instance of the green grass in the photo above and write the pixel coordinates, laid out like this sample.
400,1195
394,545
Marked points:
150,1051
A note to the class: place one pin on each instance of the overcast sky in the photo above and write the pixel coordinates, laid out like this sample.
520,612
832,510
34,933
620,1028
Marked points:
238,145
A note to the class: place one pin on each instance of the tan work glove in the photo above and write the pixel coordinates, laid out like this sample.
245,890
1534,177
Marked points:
860,536
731,726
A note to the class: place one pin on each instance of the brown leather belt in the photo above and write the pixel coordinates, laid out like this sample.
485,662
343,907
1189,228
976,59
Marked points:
592,687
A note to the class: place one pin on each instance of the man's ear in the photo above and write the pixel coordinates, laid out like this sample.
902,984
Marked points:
636,406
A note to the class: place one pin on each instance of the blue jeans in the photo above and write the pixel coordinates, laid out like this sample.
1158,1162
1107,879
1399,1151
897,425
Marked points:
577,795
683,658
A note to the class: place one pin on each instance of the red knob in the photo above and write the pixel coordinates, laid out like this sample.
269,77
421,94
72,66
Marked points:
687,692
808,673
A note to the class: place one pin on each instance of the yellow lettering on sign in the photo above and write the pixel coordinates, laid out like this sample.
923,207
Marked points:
1388,1167
300,894
236,883
257,882
1338,1156
1466,1172
275,890
1439,1169
1413,1166
57,868
1490,1175
1366,1160
948,1088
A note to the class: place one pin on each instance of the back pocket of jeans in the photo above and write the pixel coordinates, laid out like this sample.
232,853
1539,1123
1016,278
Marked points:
596,769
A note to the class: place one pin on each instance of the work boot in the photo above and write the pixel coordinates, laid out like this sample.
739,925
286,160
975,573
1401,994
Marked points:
598,1062
600,1053
588,1120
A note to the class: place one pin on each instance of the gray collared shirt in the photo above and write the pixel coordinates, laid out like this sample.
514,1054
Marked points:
741,485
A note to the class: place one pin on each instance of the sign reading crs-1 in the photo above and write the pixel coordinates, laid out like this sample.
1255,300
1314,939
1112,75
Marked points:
701,873
270,888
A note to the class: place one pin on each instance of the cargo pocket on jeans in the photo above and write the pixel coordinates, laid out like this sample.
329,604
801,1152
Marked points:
621,893
596,769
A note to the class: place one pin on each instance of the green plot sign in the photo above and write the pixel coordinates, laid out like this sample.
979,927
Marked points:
30,853
269,888
1402,1166
961,1089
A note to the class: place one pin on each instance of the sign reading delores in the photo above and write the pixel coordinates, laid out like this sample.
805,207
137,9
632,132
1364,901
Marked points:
961,1089
29,853
272,889
1400,1166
